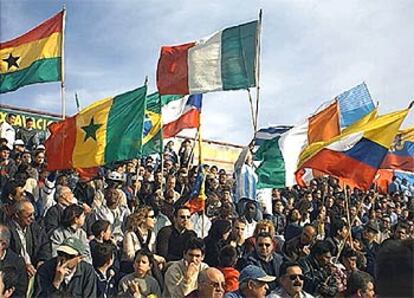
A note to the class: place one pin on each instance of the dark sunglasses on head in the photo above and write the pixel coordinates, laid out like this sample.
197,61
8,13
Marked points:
293,277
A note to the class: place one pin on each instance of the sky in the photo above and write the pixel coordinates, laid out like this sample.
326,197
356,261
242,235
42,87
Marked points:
311,52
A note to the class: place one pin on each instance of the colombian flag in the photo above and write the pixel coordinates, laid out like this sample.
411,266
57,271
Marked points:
107,131
34,57
356,154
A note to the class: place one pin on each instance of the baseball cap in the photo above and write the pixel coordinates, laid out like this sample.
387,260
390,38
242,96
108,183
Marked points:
255,273
18,143
72,246
115,176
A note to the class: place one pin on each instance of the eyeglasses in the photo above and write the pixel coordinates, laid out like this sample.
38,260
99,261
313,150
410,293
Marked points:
293,277
218,285
185,216
264,244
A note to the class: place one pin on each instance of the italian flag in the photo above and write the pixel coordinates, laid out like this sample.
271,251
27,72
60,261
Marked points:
34,57
107,131
224,61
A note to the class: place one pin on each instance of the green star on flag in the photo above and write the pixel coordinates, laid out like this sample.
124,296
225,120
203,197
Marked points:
90,130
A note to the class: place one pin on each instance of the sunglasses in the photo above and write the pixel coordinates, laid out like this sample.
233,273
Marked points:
185,216
151,216
264,244
293,277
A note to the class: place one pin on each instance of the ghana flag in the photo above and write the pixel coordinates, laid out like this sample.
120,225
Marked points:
34,57
107,131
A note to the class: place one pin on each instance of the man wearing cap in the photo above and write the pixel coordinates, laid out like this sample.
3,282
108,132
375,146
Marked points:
369,235
291,282
7,131
253,283
18,149
66,274
29,135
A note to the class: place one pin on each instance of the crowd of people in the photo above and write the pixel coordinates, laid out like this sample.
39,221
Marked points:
129,230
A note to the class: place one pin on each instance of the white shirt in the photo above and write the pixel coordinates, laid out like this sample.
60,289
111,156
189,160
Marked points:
7,131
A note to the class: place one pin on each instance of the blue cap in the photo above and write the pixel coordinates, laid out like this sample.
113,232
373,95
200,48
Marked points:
252,272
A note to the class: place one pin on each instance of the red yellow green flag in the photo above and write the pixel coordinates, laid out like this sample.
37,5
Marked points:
34,57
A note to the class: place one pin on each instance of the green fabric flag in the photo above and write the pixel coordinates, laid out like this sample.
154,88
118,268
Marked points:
271,171
152,132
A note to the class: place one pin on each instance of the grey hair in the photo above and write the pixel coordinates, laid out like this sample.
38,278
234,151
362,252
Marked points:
19,206
5,234
59,191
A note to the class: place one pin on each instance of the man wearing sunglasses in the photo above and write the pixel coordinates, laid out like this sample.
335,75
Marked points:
291,282
264,257
171,239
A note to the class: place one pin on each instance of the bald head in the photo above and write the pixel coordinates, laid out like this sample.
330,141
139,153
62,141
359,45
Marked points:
213,283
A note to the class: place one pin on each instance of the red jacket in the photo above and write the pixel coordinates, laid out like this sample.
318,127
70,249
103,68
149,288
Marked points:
231,277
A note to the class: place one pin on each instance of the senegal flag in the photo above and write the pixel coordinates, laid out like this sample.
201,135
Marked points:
34,57
107,131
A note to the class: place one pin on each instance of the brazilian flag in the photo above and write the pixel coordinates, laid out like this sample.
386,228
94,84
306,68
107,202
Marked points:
152,131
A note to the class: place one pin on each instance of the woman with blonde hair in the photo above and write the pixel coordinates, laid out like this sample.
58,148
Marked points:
139,235
262,226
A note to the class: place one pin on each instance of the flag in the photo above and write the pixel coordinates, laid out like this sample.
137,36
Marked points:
356,154
401,154
269,133
152,133
278,158
180,112
198,195
34,57
107,131
224,61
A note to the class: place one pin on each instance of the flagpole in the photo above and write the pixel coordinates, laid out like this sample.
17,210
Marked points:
252,111
137,168
200,162
258,50
78,106
161,147
62,66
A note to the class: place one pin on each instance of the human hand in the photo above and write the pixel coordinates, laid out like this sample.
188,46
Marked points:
31,270
133,288
62,269
192,271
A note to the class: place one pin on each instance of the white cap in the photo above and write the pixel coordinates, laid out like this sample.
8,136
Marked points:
18,143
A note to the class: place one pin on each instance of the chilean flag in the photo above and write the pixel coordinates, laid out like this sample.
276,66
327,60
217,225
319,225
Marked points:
179,113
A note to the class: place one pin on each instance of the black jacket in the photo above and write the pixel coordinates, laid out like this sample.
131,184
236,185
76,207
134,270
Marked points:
170,242
15,261
52,218
82,284
315,276
37,245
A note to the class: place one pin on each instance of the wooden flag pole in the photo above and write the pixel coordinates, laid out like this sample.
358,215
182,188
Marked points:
258,52
62,66
200,162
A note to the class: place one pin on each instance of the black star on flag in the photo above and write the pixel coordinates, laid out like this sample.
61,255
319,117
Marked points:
11,61
90,130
